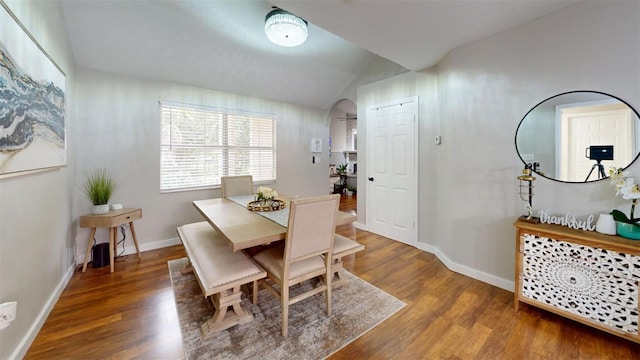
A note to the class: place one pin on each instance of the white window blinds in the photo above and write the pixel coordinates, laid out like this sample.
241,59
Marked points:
201,144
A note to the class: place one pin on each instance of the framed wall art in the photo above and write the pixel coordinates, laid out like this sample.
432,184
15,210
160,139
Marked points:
32,102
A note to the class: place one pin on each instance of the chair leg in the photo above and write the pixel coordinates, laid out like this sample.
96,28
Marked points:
329,277
284,300
255,291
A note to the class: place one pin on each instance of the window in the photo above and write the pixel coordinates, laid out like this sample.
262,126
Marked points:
200,144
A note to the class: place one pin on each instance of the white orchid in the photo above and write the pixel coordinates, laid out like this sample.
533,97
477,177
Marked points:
630,192
617,174
627,188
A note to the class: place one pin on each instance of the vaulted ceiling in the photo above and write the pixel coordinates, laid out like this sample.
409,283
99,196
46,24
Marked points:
221,45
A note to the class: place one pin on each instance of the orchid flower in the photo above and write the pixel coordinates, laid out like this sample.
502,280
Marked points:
627,188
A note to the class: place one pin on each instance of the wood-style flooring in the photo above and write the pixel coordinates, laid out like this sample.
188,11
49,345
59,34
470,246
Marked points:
130,314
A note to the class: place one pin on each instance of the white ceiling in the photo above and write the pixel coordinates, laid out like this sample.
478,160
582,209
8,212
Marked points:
221,45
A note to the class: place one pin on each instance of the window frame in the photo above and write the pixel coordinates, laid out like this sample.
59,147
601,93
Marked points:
227,119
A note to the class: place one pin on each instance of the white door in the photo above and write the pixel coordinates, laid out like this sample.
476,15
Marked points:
392,195
584,127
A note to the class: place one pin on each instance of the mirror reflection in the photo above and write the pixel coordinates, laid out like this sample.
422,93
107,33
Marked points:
577,136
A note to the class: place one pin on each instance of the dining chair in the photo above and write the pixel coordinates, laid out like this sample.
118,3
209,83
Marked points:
306,253
236,185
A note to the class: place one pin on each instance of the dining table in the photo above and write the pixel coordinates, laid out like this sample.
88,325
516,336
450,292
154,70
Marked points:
244,228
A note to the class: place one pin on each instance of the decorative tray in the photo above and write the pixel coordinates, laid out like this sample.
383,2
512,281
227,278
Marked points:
257,205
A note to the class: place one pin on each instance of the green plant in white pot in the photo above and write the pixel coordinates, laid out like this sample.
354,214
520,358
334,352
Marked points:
98,186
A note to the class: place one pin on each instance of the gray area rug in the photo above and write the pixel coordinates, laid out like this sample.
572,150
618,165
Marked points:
357,307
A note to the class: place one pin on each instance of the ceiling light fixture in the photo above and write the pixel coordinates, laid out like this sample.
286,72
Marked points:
285,29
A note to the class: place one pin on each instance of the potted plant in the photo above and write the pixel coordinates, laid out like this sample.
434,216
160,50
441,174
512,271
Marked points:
350,190
339,186
98,186
626,186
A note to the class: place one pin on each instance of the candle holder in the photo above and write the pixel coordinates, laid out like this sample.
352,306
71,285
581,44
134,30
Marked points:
526,193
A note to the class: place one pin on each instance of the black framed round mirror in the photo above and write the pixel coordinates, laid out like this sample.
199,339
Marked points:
578,135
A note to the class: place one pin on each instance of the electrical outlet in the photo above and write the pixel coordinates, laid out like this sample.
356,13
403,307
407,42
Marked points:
527,157
7,313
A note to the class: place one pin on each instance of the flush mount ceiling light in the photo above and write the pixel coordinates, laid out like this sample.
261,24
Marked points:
285,29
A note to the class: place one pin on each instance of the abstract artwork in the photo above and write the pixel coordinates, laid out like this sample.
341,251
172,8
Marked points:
32,102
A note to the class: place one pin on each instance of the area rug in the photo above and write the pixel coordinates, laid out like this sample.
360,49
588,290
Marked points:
357,307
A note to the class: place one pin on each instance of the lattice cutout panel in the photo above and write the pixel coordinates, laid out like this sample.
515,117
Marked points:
612,315
574,278
619,264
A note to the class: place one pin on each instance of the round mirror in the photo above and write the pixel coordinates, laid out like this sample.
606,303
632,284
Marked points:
577,136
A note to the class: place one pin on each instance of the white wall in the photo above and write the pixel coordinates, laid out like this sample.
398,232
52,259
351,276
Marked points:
468,191
119,129
36,210
338,130
468,187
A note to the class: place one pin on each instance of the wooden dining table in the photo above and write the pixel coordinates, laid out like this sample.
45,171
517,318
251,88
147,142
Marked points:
244,228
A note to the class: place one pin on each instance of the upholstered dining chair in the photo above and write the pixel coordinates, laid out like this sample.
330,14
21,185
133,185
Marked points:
306,253
236,185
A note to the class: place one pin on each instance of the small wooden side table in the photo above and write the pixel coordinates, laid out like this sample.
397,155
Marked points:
111,220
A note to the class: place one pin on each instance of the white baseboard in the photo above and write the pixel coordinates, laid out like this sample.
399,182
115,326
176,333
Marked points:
505,284
508,285
131,248
427,247
360,226
151,246
27,340
34,329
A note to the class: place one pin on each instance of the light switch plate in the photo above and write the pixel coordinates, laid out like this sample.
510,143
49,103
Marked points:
316,145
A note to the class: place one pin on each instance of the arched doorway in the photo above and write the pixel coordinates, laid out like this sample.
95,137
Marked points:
343,155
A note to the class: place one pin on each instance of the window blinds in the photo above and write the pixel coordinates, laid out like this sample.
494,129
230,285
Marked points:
201,144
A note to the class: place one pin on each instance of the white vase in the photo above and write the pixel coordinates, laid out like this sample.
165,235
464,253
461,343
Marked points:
606,224
100,209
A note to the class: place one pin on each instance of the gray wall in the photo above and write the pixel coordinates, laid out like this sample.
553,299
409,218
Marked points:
119,129
476,97
468,196
37,212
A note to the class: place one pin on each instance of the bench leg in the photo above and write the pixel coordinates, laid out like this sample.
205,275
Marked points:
187,268
223,319
338,270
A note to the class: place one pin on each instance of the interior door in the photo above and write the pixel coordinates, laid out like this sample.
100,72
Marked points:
391,170
583,127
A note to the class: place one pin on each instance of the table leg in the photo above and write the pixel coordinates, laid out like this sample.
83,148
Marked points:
112,244
135,239
86,256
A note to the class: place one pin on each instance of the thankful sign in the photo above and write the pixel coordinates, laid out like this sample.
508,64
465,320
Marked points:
569,220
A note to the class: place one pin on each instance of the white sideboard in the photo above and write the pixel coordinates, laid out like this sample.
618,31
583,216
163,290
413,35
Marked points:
582,275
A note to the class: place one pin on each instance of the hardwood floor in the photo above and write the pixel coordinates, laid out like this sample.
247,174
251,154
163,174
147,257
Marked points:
131,314
348,203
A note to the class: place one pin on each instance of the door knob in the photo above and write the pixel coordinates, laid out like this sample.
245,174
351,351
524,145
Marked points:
370,179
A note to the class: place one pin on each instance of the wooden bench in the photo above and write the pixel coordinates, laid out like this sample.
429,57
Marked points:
342,246
220,273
